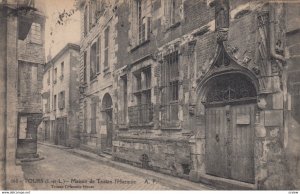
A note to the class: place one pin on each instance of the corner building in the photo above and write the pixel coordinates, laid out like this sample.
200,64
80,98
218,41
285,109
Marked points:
204,90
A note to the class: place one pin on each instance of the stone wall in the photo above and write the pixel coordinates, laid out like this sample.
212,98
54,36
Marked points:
292,135
252,47
164,155
197,44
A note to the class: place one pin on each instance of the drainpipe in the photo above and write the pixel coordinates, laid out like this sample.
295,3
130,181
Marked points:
281,64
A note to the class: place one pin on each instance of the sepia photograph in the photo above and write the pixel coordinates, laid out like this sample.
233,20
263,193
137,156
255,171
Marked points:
118,95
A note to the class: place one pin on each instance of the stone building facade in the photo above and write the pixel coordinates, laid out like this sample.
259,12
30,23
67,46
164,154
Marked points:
98,62
20,81
60,98
204,90
31,60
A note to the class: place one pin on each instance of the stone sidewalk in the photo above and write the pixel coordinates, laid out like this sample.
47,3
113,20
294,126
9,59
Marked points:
170,181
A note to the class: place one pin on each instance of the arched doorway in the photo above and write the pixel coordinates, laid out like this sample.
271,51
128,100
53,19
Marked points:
230,110
107,115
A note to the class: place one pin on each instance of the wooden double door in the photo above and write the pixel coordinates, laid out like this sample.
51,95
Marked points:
109,128
61,131
230,141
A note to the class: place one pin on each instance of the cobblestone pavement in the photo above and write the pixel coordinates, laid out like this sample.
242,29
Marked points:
62,170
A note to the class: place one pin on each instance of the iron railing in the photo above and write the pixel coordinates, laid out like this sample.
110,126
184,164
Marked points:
140,114
169,114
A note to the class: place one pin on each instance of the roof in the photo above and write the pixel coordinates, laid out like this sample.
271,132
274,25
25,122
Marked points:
60,53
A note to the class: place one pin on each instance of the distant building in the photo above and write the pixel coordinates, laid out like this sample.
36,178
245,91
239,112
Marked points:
60,98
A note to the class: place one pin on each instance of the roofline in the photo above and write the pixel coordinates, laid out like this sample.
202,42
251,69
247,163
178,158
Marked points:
61,52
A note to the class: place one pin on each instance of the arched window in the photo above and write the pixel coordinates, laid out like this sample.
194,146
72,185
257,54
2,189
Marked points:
229,88
107,102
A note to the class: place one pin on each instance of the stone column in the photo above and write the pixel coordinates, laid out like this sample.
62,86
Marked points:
12,171
2,97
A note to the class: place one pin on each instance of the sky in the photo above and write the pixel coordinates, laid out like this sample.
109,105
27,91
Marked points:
56,35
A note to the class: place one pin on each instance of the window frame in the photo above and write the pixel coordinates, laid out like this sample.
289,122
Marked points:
85,67
55,75
106,48
93,61
48,77
143,107
61,102
124,95
93,117
171,86
62,67
36,33
54,102
85,21
98,55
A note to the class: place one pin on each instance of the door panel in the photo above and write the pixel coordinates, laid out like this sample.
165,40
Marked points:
109,128
242,125
230,141
216,159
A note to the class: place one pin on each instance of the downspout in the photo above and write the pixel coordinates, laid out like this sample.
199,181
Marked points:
281,64
273,53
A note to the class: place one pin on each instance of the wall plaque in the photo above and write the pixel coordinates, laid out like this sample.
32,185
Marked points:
243,119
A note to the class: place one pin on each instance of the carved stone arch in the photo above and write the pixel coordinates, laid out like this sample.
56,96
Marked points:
224,63
217,118
215,70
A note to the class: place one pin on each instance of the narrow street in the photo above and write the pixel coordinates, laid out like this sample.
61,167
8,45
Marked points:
63,170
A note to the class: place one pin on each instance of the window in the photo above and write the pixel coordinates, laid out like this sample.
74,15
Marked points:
47,105
100,8
142,22
54,102
142,113
35,33
61,100
48,78
106,48
55,75
173,12
94,116
85,117
62,70
141,27
98,52
85,23
124,105
93,61
92,13
84,67
170,85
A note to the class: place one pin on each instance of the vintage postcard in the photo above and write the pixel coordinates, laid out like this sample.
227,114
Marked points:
149,95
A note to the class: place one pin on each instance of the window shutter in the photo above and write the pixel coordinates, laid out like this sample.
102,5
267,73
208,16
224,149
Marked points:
148,28
63,100
98,54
